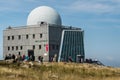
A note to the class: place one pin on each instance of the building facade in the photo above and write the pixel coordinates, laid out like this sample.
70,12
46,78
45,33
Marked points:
46,37
72,46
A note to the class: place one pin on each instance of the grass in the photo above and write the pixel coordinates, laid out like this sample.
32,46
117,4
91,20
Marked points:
57,71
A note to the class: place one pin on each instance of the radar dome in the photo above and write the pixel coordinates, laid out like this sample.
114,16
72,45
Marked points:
44,14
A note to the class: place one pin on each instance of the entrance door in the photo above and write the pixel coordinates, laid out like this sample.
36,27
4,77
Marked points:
31,54
78,59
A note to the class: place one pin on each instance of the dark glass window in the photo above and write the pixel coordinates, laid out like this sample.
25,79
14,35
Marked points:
21,47
19,53
57,47
72,46
19,37
40,35
53,46
33,46
27,36
33,36
39,46
16,47
12,37
12,47
8,37
8,48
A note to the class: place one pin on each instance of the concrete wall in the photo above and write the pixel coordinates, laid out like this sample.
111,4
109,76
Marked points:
27,44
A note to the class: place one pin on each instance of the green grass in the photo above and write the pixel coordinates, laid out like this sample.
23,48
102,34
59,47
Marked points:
57,71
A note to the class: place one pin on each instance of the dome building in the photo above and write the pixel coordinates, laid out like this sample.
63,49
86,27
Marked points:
40,14
44,35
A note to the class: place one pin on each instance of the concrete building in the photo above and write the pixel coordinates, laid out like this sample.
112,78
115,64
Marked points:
44,35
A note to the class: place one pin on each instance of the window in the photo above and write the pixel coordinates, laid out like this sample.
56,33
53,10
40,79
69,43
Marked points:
39,46
12,47
16,47
8,37
21,47
33,46
40,35
12,37
19,53
57,47
27,36
33,36
53,46
19,37
42,22
8,48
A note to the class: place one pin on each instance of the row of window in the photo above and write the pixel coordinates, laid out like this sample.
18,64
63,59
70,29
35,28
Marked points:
27,36
20,47
14,48
52,47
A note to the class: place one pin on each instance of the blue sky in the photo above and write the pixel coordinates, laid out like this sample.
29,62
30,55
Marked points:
100,19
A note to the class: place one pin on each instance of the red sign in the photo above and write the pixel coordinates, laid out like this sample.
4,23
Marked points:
47,47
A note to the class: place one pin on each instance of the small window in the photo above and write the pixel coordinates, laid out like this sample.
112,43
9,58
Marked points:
27,36
33,36
42,22
19,37
19,53
8,37
8,48
12,37
40,35
21,47
33,46
12,47
16,47
39,46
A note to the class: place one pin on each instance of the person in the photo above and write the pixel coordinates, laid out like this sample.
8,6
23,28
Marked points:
26,58
19,57
55,58
51,59
13,56
70,59
9,57
16,58
31,58
6,57
23,57
41,59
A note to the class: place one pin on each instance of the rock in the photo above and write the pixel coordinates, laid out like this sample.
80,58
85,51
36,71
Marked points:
25,66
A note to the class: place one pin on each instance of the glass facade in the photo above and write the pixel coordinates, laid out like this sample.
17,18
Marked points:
72,46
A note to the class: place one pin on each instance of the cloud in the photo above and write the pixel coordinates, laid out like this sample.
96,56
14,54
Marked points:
110,58
9,5
95,6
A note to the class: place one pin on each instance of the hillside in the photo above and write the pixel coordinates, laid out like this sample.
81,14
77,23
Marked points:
57,71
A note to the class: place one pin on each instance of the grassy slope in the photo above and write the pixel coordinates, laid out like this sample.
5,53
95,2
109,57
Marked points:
58,71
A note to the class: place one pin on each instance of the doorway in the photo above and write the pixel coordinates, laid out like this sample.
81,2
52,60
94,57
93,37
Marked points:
79,59
31,55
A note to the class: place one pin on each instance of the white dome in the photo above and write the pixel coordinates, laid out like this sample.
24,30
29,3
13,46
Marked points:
43,14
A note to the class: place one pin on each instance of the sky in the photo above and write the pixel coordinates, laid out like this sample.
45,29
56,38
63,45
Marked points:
100,20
